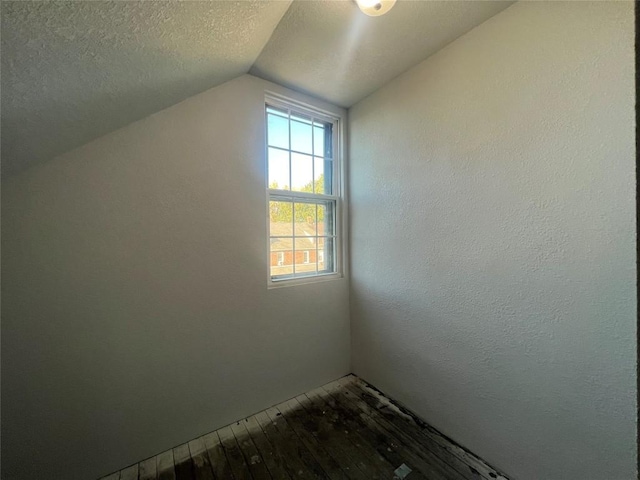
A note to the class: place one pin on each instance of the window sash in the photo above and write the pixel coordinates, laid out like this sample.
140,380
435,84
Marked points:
324,242
328,150
330,254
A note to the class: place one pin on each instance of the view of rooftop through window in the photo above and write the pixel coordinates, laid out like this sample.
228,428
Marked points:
302,201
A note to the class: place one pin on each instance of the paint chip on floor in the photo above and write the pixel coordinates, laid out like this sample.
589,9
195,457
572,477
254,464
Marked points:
401,472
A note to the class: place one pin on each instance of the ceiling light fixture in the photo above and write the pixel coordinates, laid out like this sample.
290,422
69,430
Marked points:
375,8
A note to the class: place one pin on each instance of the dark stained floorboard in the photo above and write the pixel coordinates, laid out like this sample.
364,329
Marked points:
274,461
345,430
148,469
217,456
129,473
183,463
386,414
384,446
165,466
239,465
378,453
257,466
367,461
202,469
295,447
292,459
332,460
425,449
393,447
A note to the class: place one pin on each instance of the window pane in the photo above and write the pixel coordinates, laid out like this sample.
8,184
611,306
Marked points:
278,131
326,218
277,111
301,172
328,176
309,226
301,137
322,182
280,218
305,251
305,219
326,254
278,169
318,140
281,256
322,135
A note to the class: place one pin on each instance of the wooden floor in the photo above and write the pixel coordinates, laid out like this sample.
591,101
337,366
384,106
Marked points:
344,430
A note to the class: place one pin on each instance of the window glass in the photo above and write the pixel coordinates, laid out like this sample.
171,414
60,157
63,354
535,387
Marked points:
278,169
301,135
278,129
301,172
303,208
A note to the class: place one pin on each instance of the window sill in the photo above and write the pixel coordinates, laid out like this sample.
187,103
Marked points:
290,282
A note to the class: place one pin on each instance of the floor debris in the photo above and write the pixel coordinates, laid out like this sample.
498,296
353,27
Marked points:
401,472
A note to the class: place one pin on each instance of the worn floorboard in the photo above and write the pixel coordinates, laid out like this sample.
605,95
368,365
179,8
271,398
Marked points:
332,460
345,430
468,465
436,465
217,456
201,464
259,470
148,469
183,462
165,466
271,457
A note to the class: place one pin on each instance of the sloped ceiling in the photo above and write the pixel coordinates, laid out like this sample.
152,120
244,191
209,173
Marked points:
333,51
73,71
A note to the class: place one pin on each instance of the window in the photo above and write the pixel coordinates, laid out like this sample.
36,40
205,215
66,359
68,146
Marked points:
303,192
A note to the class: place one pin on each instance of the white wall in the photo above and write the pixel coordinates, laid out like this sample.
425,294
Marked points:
135,313
493,240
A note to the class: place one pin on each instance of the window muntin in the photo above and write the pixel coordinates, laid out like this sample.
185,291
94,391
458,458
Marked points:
302,193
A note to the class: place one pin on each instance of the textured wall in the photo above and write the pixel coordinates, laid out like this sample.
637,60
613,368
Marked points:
135,309
493,240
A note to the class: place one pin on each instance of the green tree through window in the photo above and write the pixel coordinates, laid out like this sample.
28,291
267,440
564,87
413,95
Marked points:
282,211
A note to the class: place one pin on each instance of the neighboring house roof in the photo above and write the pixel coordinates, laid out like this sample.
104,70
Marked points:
305,236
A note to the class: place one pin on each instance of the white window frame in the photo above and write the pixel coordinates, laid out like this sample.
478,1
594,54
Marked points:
338,185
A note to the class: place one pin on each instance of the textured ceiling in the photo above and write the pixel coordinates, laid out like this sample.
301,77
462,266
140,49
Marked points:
75,70
332,51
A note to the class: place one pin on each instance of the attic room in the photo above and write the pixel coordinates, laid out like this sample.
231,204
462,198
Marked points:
318,239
